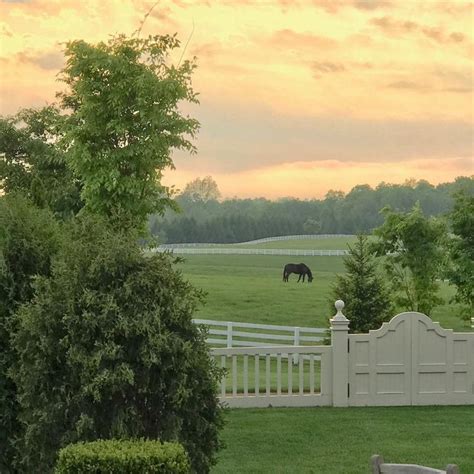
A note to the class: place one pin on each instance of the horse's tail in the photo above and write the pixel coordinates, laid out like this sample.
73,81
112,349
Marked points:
284,274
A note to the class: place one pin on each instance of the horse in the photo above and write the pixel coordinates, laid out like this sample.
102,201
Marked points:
299,268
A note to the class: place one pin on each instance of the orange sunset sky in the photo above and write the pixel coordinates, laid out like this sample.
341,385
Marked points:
296,97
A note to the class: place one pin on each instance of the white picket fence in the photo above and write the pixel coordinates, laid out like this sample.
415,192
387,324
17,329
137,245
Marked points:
237,251
234,334
410,360
472,323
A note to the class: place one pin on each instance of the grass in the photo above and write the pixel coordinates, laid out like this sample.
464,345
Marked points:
342,440
316,440
249,288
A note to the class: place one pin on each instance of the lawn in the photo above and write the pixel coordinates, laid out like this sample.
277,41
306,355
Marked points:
249,288
342,440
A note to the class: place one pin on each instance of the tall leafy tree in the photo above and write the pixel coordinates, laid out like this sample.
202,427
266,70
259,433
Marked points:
124,120
33,161
461,251
412,247
364,291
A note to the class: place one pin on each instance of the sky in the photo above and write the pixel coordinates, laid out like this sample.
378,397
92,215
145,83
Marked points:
296,97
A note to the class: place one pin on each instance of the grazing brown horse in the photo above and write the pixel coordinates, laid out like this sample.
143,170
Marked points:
300,268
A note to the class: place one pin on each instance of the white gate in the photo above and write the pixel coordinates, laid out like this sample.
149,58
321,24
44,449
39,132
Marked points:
411,361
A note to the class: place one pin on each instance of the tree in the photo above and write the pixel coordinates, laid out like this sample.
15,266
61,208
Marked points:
461,250
201,190
124,120
107,349
312,226
412,249
367,299
29,238
33,161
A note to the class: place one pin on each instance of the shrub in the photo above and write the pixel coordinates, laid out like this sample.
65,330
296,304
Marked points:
122,457
107,349
29,237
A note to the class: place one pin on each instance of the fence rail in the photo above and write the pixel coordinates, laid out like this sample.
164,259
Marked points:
472,323
258,241
237,251
235,334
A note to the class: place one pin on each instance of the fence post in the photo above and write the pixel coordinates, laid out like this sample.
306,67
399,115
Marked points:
296,342
229,334
340,357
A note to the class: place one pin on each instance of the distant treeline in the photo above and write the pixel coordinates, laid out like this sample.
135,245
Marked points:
239,220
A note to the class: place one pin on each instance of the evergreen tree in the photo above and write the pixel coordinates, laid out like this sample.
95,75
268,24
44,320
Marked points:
461,252
363,290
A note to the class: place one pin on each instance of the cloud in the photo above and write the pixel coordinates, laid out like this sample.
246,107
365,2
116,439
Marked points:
394,27
326,67
371,4
408,85
233,140
288,38
49,61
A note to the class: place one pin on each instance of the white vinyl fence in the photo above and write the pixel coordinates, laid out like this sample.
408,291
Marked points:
237,251
472,323
234,334
410,360
259,241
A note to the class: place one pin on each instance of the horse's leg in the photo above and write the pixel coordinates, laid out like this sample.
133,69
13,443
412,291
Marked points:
299,278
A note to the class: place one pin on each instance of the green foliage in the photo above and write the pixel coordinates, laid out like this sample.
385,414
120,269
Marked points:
107,349
412,247
123,457
29,237
201,190
240,220
33,162
363,290
123,97
461,250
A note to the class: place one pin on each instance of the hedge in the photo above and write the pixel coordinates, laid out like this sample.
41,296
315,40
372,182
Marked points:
122,457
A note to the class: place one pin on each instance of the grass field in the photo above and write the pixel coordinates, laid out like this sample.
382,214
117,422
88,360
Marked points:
249,288
341,440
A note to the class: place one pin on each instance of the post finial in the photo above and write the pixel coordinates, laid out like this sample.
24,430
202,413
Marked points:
339,304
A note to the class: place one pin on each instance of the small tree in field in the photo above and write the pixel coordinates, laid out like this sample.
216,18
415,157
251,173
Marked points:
367,300
412,247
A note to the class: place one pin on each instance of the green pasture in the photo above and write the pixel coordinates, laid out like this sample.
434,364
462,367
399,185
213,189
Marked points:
249,288
342,440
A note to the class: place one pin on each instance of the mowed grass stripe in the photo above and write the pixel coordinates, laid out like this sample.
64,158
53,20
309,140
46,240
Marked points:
342,440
